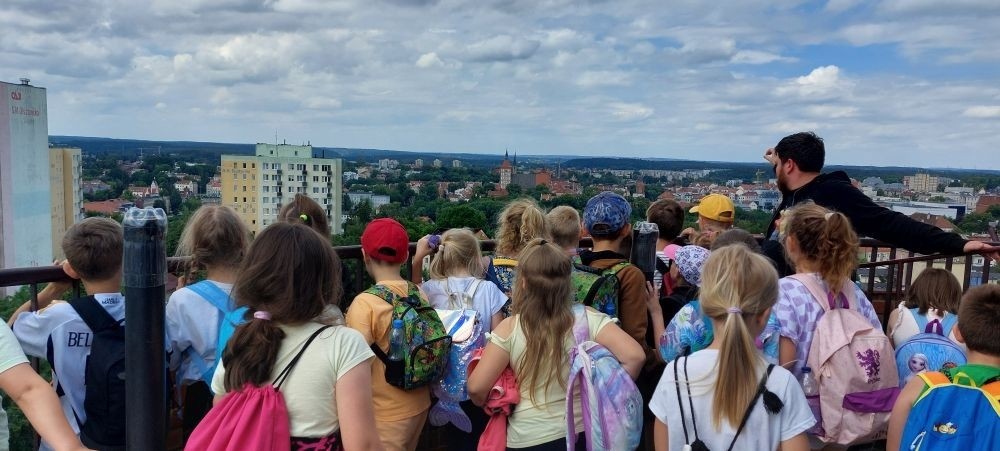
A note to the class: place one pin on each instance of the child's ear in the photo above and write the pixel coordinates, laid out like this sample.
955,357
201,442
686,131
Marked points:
68,269
958,334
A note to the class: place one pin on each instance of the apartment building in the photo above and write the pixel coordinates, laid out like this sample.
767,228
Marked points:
65,172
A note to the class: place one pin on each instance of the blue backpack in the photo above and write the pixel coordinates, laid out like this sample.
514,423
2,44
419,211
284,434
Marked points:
930,350
954,414
230,316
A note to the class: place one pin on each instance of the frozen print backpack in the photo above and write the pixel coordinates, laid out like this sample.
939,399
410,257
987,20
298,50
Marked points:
854,367
610,401
463,324
598,288
928,351
936,424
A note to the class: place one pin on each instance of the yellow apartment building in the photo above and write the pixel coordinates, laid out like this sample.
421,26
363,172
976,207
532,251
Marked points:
257,186
65,172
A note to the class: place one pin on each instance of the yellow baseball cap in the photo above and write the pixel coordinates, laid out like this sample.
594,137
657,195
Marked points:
716,207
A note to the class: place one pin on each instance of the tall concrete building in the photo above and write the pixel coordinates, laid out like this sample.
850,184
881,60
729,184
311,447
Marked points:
921,183
258,186
25,215
65,172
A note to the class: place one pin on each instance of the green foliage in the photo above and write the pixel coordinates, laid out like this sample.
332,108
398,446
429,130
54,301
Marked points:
462,215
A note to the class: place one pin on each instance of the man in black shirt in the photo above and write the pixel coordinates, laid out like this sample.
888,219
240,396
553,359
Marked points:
798,162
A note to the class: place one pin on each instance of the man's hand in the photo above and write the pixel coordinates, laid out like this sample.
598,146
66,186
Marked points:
772,156
991,252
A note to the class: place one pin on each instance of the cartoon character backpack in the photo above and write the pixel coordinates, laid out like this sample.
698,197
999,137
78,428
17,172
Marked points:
466,330
936,424
610,401
854,367
598,288
427,342
929,351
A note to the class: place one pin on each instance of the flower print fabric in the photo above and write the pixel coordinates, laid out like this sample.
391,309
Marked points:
690,329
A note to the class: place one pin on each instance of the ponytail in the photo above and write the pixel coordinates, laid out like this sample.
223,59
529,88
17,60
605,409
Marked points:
519,223
737,286
827,239
458,252
251,352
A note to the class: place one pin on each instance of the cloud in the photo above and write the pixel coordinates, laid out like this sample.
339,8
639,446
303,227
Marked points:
630,111
832,111
822,82
982,112
590,79
429,60
501,48
759,57
839,6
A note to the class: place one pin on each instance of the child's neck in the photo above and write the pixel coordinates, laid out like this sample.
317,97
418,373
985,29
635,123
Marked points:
803,266
221,274
602,245
462,273
662,243
978,358
103,286
384,273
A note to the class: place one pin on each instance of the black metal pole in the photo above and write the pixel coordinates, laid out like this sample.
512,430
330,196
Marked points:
144,273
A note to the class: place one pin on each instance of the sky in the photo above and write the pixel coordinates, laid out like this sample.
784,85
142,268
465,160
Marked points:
897,82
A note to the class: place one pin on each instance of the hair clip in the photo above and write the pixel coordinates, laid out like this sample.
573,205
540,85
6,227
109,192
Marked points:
304,217
260,314
543,242
434,242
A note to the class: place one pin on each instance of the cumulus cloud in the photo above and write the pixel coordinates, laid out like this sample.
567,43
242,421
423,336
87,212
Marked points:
982,111
595,78
822,82
759,57
429,60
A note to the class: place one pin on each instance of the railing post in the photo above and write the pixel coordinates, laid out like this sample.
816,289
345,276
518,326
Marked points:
144,274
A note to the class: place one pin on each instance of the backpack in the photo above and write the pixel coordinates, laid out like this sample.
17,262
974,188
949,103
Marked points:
610,401
930,350
598,288
466,330
503,282
428,343
251,417
854,368
104,378
229,319
934,422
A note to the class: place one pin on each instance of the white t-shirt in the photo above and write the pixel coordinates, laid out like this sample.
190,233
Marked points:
906,326
192,321
310,390
488,299
762,431
10,356
58,334
657,275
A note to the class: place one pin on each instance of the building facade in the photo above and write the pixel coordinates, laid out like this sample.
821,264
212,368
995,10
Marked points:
65,173
25,198
921,183
258,186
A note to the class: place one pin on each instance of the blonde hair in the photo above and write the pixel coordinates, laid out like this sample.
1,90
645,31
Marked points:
542,299
826,239
458,252
214,236
519,223
735,279
564,226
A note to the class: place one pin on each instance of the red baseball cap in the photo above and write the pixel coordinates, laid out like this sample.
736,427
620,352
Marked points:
386,240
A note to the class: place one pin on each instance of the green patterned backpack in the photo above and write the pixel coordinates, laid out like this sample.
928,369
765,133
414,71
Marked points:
427,343
597,288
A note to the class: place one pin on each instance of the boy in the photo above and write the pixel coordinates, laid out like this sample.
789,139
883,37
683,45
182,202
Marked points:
57,332
669,218
978,316
716,214
399,414
565,228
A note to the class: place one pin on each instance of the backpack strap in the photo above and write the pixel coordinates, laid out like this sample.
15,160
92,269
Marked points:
614,270
824,298
581,328
91,312
934,378
213,294
288,368
504,261
761,389
949,322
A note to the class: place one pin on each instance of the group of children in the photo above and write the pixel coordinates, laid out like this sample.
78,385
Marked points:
718,345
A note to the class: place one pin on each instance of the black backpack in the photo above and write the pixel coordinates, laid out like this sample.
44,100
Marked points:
104,377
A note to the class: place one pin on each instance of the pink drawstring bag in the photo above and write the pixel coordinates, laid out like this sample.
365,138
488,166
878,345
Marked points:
251,418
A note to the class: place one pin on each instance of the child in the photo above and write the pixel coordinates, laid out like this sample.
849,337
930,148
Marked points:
822,244
456,259
565,228
978,316
216,239
59,333
669,218
289,276
708,395
304,210
33,395
400,414
716,214
935,295
535,343
519,223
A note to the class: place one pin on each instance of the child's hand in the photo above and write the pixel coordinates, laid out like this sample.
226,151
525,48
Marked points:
423,247
653,300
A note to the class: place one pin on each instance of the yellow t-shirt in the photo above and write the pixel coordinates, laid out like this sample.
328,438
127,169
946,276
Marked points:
545,420
372,316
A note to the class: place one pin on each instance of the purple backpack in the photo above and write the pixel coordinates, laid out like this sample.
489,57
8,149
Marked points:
610,401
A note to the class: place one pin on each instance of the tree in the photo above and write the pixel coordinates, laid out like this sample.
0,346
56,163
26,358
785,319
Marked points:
514,190
363,212
457,216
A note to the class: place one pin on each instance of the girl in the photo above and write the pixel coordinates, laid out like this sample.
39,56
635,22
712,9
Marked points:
821,244
519,223
304,210
290,276
935,295
727,396
535,343
456,258
216,239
